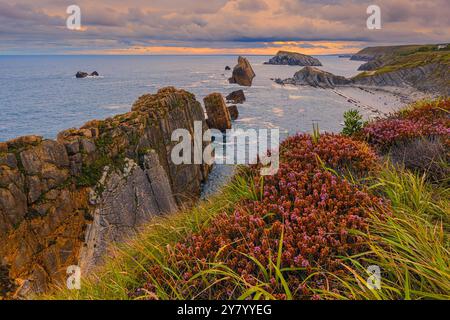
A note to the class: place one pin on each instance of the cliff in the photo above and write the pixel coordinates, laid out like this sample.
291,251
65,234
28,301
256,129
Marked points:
64,202
425,68
293,59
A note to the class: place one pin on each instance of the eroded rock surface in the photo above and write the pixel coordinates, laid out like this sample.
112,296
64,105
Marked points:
93,186
218,115
243,73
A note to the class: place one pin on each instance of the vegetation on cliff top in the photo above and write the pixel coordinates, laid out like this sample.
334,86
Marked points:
337,205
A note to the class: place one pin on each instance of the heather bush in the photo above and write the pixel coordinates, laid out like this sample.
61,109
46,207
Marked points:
422,120
337,152
304,219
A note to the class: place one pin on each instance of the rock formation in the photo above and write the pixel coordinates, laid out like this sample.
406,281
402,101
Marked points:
234,112
227,68
316,78
82,74
62,202
243,73
293,59
217,111
236,97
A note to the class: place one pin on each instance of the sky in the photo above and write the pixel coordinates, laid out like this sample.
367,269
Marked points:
217,26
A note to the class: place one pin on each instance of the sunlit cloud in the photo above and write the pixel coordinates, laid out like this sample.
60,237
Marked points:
217,26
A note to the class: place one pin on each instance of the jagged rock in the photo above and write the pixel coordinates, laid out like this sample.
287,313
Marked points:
46,197
236,97
371,65
316,78
234,112
217,111
128,201
293,59
243,73
81,74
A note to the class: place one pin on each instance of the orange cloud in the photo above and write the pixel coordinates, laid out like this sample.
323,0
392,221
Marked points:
312,48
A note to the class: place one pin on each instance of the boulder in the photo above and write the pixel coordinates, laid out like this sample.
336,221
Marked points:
94,74
217,111
243,73
236,97
294,59
81,74
227,68
234,112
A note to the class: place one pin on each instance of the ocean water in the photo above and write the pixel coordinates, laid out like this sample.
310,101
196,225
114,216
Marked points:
40,95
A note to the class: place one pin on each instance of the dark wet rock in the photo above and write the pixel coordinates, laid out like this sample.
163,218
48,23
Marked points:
81,74
243,73
234,112
236,97
94,74
294,59
227,68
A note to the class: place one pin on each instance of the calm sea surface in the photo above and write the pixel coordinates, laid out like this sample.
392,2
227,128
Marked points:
40,95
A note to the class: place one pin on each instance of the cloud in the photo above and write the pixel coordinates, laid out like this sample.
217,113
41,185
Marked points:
116,25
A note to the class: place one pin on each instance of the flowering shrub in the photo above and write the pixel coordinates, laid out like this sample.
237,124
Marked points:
302,221
422,121
384,133
335,151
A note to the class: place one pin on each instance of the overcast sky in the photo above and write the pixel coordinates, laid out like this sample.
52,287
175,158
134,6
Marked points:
217,26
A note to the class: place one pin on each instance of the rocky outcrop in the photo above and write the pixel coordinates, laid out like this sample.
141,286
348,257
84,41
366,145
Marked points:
82,74
236,97
217,111
315,77
63,202
371,65
234,112
243,73
431,78
293,59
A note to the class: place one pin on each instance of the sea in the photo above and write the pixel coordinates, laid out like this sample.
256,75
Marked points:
39,95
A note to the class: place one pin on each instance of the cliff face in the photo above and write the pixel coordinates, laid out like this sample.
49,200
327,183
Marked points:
431,78
293,59
63,202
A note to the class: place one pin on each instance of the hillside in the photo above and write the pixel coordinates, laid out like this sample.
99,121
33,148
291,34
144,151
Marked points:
423,67
378,196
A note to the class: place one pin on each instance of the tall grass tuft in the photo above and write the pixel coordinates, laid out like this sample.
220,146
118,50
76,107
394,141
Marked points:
411,246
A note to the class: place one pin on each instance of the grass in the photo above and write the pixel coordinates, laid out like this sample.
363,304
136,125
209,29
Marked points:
411,246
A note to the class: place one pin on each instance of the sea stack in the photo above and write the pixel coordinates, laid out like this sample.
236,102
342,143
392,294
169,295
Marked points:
243,73
217,111
294,59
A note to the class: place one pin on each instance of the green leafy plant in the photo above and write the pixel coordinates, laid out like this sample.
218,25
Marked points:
353,122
